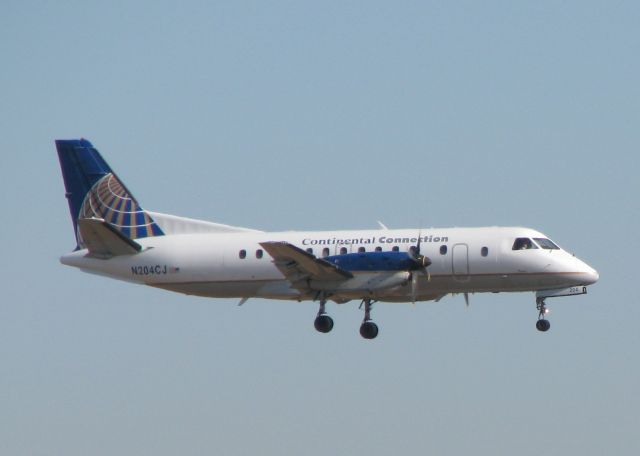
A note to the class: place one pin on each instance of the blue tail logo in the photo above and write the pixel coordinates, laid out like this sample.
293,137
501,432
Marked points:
94,191
109,200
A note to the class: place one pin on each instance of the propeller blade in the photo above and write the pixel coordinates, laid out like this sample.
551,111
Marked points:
466,299
420,260
414,286
421,264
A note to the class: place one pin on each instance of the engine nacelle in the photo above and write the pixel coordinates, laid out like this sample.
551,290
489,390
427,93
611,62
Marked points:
363,283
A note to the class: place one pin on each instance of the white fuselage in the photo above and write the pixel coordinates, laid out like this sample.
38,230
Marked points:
233,264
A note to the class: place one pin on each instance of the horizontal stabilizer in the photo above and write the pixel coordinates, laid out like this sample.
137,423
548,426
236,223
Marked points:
105,241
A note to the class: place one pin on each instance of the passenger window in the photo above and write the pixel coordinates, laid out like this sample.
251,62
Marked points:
310,251
242,254
259,253
378,249
343,250
361,250
443,250
325,252
523,244
484,251
395,248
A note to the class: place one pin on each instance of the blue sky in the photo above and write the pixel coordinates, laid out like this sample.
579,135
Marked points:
307,115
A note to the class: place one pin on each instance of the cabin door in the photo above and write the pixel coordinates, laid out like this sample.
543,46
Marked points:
460,262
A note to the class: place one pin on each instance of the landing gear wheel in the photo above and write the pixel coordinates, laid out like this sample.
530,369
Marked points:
323,323
543,325
369,330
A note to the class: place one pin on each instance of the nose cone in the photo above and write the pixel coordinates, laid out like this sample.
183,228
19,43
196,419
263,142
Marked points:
588,275
577,273
591,275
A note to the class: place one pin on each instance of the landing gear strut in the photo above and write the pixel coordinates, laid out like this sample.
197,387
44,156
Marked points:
323,322
542,324
368,329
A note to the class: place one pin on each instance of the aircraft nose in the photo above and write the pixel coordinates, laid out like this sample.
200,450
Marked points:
592,275
584,274
589,275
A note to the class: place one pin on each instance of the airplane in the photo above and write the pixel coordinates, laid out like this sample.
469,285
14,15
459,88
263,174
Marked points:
116,238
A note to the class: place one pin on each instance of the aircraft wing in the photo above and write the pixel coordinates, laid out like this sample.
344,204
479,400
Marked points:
298,265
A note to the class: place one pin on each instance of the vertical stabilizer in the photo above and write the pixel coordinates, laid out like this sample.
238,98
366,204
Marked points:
94,191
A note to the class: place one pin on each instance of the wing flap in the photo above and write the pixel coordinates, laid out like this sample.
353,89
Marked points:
297,265
104,241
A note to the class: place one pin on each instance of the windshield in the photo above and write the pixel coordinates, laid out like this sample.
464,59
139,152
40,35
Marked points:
523,244
546,244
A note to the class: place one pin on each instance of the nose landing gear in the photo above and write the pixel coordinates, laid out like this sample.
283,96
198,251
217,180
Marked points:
542,324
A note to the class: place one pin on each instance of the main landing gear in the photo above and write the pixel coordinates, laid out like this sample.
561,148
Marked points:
323,322
368,329
542,324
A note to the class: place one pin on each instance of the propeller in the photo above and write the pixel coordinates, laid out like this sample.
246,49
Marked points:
421,263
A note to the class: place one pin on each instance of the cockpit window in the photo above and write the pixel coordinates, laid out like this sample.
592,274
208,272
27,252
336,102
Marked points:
523,244
546,244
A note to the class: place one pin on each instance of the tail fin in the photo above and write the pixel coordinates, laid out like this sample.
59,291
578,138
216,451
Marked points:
94,191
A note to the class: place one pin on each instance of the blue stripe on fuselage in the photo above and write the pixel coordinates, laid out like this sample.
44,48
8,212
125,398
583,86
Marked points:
373,261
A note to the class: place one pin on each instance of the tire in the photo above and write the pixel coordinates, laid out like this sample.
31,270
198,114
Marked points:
323,323
543,325
369,330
